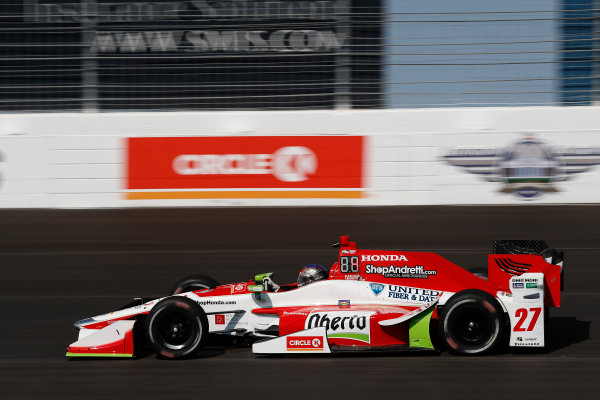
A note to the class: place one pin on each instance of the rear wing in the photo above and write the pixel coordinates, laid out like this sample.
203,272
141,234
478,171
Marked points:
532,247
512,258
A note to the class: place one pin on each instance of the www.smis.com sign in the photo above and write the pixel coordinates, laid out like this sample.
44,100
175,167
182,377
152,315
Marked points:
234,25
242,167
281,41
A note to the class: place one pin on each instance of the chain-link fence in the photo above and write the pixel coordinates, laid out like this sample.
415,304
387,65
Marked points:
102,55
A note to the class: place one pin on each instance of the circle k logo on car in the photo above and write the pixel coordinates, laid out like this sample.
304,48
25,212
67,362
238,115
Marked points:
298,343
287,164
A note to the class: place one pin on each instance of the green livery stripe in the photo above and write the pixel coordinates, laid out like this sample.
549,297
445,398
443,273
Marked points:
97,355
356,336
418,330
260,277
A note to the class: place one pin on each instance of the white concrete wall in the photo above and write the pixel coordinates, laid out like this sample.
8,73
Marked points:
79,160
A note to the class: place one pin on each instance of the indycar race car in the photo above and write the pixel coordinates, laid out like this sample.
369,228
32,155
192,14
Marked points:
368,300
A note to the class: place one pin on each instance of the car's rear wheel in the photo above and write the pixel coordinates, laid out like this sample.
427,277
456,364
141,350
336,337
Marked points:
194,282
176,327
472,322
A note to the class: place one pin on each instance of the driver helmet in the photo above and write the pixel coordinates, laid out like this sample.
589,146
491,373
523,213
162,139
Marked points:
311,273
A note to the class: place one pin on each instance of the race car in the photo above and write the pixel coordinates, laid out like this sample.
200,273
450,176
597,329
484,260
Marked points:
373,300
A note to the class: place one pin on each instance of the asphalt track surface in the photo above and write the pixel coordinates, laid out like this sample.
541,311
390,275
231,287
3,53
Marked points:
59,266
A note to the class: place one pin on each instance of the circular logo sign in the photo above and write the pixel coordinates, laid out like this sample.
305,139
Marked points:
294,163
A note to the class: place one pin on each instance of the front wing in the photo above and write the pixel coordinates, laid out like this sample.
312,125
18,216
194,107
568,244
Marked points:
115,340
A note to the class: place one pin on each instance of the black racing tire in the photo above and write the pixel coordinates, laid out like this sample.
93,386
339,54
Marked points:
472,322
176,327
194,282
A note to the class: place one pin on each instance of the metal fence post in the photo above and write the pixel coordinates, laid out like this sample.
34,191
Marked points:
342,57
89,62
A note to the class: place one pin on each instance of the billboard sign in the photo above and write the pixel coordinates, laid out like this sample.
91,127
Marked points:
217,54
528,167
245,167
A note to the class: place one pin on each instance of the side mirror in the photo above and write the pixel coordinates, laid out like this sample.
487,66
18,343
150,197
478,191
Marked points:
259,278
259,285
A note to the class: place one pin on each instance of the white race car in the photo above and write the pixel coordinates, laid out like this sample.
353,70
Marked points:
368,300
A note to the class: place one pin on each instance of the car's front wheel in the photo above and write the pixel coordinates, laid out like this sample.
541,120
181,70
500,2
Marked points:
472,322
176,327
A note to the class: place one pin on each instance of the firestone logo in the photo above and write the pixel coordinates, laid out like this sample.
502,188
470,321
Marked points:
287,164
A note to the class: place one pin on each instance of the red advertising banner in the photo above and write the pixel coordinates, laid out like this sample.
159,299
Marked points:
245,167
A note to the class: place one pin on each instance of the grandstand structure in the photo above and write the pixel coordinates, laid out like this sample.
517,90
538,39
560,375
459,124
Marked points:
154,55
190,55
